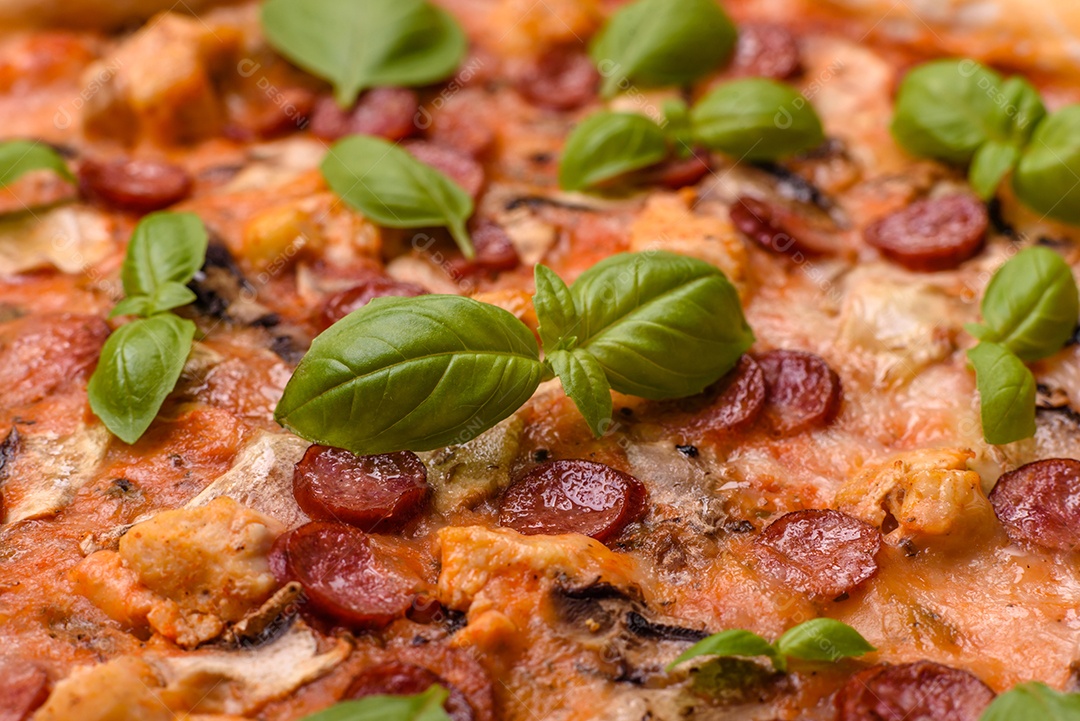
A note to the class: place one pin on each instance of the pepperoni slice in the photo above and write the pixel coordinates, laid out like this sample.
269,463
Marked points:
681,172
346,576
368,492
804,392
920,691
23,688
339,305
397,678
778,229
457,125
495,252
562,78
765,50
1039,503
573,497
278,559
820,552
458,166
388,113
932,234
731,405
139,186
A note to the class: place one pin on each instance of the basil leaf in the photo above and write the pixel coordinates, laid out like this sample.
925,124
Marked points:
166,297
1046,176
411,374
661,325
358,45
608,145
990,164
662,42
756,119
140,364
426,706
393,188
164,248
1031,305
18,157
1019,111
584,382
1006,393
1033,702
555,310
822,639
734,642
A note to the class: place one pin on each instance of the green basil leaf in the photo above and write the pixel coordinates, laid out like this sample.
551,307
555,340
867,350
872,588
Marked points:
1020,109
18,157
555,310
358,45
1033,702
426,706
1046,176
393,188
662,42
734,642
756,119
411,374
140,364
1006,393
990,164
608,145
822,639
165,248
584,382
661,325
1031,305
677,127
166,297
134,305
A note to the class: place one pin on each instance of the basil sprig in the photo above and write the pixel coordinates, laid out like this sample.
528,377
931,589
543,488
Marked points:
19,157
754,119
662,42
359,45
1033,702
142,360
422,373
426,706
1030,310
820,639
390,186
1046,175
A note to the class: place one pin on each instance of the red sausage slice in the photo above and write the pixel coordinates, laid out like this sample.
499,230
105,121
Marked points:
339,305
346,576
368,492
139,186
458,166
778,229
495,252
388,113
729,406
397,678
765,50
820,552
563,78
1039,503
920,691
23,688
573,497
933,234
680,172
804,392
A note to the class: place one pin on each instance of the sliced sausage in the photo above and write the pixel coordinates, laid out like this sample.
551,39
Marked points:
562,78
139,186
457,124
1039,503
460,167
932,234
345,575
778,229
765,50
804,392
23,688
340,304
388,113
729,406
680,172
823,553
370,492
398,678
573,496
920,691
495,252
41,354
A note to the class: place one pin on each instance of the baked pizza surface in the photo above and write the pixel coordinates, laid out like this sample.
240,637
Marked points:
547,562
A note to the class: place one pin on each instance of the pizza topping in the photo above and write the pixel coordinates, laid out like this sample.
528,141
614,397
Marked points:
23,688
347,577
766,50
455,164
133,184
562,78
340,304
681,172
1045,176
931,234
820,552
495,252
397,678
383,112
1039,503
573,497
804,392
19,157
41,354
368,492
920,691
778,229
731,405
607,146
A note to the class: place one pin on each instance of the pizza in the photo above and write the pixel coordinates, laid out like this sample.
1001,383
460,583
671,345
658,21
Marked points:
501,360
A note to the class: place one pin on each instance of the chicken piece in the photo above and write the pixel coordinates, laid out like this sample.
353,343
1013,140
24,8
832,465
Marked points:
120,690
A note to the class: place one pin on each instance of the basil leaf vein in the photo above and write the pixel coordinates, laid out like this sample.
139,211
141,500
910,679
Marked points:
607,145
1006,393
19,157
164,248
